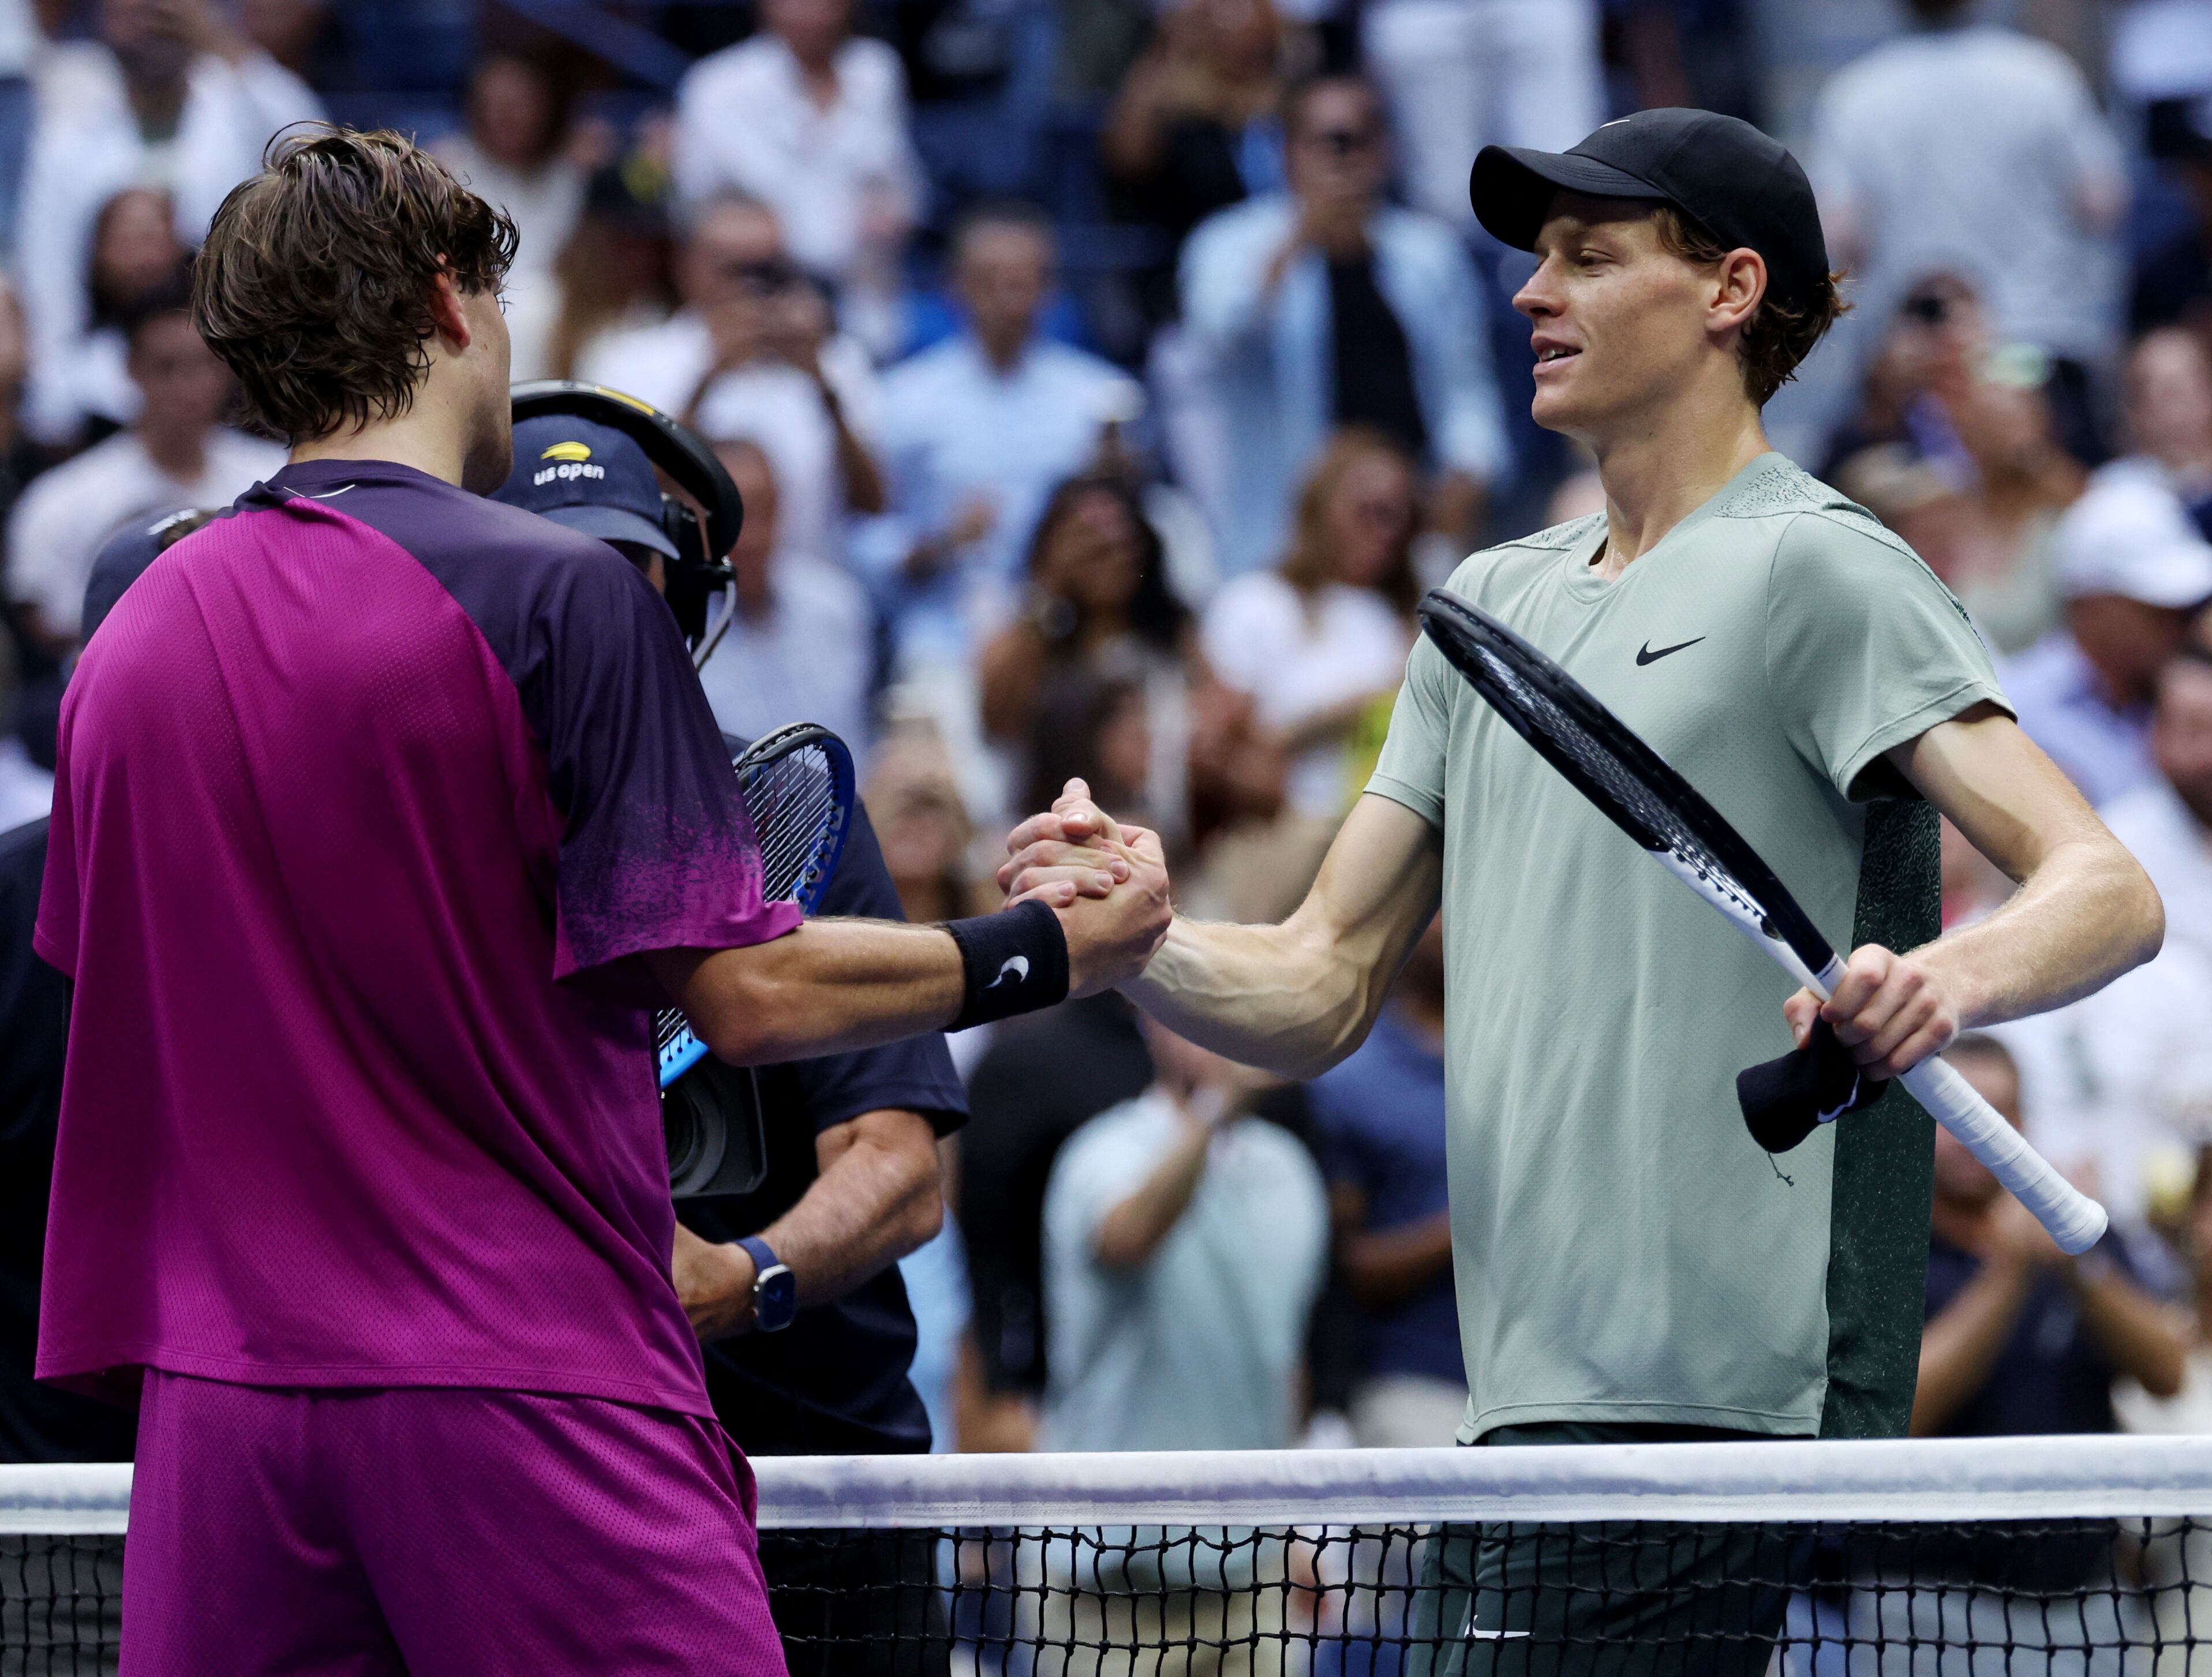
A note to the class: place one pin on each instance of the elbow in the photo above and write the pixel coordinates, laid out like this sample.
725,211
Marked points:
2150,915
921,1218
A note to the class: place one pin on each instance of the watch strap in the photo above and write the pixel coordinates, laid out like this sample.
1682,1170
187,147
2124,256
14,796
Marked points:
760,1252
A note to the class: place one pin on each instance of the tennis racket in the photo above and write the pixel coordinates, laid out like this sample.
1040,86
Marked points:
1605,761
798,784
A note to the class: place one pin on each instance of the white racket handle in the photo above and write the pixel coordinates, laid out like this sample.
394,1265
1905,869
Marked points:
2074,1220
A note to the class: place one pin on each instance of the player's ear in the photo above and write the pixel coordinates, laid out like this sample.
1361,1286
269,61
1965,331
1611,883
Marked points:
446,313
1739,284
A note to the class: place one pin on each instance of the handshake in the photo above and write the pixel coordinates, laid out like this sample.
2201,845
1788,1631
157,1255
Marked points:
1107,883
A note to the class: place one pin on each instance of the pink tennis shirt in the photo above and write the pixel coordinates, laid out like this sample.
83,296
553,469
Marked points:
371,794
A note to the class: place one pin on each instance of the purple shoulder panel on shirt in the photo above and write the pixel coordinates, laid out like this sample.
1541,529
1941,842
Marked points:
657,851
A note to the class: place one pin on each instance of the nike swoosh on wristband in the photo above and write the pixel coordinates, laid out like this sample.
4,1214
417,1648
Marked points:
1018,965
1645,655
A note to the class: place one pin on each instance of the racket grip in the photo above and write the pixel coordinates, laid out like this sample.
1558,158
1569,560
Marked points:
2074,1220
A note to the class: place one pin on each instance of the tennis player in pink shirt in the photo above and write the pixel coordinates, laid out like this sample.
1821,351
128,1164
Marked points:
384,812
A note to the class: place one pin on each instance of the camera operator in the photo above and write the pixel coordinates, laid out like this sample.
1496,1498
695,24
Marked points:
820,1367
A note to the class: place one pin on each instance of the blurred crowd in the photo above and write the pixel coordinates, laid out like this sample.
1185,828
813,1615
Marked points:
1105,381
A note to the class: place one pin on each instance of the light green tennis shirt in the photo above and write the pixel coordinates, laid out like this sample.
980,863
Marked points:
1624,1251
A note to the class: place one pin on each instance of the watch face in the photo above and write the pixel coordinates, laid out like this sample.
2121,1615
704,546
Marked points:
776,1298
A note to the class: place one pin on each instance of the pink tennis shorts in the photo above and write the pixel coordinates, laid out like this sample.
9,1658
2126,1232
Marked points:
431,1532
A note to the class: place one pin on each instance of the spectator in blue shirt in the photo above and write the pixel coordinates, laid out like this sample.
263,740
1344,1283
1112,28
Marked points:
976,433
2021,1337
1380,1117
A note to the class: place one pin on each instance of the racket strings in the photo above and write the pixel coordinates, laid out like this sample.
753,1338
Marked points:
1610,779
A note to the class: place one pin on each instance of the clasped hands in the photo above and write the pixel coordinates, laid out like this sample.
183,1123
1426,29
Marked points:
1108,883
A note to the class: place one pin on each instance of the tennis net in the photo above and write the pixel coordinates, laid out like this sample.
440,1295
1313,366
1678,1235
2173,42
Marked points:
2037,1557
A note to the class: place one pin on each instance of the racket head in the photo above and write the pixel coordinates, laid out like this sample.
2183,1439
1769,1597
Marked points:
1605,761
800,789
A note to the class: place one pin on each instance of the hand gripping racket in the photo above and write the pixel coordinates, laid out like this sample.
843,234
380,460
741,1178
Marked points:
799,788
1604,759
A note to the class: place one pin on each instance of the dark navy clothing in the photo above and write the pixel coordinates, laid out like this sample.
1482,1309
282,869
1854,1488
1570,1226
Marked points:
37,1423
1380,1118
2052,1376
835,1382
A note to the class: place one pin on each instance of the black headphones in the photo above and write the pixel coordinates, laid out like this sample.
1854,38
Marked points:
700,571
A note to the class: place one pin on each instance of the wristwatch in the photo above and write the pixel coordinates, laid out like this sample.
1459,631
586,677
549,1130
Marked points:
775,1289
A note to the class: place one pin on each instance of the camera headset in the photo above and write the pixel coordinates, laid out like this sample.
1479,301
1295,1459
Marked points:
700,573
712,1115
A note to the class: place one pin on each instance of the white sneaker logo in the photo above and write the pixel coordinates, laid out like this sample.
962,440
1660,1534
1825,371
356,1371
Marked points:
1016,965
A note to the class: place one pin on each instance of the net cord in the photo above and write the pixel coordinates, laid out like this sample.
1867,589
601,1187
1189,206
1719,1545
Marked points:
1788,1480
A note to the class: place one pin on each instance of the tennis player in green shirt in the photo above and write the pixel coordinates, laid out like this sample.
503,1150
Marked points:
1630,1264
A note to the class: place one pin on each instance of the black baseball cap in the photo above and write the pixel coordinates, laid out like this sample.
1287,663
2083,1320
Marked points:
590,478
1738,184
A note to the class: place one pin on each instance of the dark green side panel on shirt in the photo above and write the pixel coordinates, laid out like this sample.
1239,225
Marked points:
1884,1162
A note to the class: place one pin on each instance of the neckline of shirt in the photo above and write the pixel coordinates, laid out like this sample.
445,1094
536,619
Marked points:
1585,584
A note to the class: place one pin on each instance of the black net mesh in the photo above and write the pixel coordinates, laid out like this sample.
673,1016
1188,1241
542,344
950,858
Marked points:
1621,1598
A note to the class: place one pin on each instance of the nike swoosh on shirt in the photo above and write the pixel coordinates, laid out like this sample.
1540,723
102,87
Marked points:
331,495
1645,655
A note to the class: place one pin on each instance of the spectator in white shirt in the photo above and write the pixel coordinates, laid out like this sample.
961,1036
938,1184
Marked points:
1972,147
976,433
170,98
1321,640
812,121
1184,1242
512,154
2167,820
751,355
2132,569
177,455
802,647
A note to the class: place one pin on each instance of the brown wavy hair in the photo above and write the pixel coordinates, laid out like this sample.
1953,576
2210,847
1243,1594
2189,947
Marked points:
1310,565
314,284
1778,336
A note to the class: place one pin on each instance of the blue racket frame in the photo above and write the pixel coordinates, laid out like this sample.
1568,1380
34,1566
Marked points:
677,1049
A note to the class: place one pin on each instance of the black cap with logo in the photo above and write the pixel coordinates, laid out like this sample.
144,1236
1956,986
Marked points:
1741,186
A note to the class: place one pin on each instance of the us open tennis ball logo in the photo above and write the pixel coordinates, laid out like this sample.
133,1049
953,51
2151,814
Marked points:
575,461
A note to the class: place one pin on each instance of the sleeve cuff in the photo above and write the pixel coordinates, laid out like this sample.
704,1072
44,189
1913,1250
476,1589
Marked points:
1914,723
1425,805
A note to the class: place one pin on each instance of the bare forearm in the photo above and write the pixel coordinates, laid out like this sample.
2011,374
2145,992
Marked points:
1131,1232
2085,914
1271,996
1960,1343
829,988
1388,1266
872,1206
2141,1336
2085,911
1297,997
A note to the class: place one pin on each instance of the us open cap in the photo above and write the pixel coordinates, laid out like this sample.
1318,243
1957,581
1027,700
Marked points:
1738,184
590,478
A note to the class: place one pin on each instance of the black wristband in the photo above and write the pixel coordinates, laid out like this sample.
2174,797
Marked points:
1013,962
